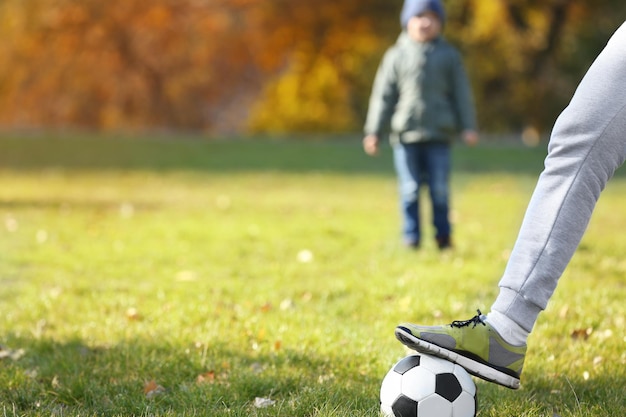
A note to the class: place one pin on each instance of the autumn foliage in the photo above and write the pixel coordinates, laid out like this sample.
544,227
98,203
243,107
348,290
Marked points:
274,66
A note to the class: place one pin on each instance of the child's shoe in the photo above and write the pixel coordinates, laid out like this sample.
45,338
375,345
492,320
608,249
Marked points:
444,242
473,344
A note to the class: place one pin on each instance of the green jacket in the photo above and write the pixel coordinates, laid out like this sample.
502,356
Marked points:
423,90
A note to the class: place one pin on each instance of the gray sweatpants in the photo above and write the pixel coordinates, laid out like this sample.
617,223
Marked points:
587,145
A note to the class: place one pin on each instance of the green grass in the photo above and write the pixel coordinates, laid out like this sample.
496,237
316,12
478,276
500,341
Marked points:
125,261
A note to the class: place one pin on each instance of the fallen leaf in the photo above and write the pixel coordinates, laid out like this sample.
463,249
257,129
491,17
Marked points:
582,334
263,402
215,376
152,389
133,314
31,373
206,378
13,354
257,368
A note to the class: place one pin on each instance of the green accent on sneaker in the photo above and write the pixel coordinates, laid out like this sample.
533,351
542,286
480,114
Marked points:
473,344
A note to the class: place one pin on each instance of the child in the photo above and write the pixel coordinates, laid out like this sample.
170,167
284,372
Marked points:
422,89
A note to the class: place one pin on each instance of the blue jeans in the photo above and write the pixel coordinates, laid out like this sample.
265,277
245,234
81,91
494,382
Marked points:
418,164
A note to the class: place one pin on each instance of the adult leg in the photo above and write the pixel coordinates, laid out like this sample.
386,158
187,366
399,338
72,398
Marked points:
587,145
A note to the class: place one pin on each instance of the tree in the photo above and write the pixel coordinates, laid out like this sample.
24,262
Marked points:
325,81
527,56
524,57
127,63
275,66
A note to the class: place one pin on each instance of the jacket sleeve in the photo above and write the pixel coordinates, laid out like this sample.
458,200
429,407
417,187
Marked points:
462,95
384,95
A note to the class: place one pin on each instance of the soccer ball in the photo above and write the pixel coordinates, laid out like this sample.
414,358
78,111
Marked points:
427,386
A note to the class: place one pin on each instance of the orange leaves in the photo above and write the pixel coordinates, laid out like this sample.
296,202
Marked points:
213,376
129,64
280,65
206,378
151,389
157,17
328,67
176,64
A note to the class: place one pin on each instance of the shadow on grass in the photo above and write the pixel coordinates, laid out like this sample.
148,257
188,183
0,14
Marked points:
72,203
73,378
340,155
556,395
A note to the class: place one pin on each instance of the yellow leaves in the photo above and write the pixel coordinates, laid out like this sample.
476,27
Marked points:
203,64
491,13
306,96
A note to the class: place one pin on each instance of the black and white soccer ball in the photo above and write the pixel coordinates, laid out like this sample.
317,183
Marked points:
427,386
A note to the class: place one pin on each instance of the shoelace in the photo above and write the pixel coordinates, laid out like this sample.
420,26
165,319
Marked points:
474,320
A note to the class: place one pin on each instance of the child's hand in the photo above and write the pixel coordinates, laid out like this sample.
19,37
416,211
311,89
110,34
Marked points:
370,145
470,137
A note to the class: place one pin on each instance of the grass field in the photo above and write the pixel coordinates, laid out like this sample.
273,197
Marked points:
162,277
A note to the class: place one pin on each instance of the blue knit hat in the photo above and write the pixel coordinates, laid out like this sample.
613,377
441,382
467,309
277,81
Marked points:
413,8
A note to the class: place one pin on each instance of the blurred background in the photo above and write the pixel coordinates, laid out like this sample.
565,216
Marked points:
234,67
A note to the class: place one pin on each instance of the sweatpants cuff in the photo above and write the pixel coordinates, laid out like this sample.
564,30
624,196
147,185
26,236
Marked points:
519,309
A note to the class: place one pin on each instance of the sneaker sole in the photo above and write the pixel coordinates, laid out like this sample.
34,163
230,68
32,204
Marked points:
473,367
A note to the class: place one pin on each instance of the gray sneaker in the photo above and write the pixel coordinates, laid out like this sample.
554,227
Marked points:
473,344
